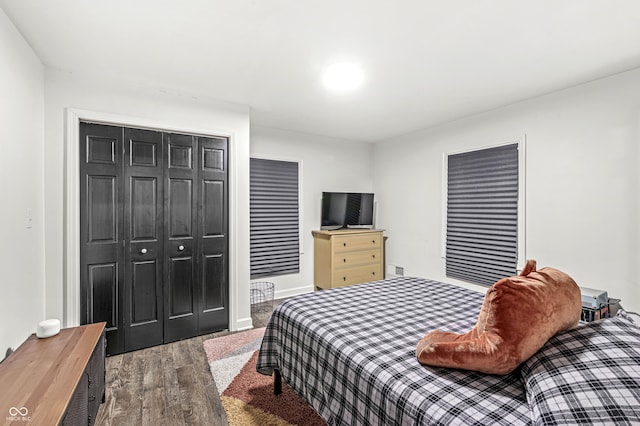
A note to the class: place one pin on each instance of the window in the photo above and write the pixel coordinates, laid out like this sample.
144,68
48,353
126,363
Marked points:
483,208
274,217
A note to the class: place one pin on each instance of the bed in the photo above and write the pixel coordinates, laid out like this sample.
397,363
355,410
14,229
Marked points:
350,353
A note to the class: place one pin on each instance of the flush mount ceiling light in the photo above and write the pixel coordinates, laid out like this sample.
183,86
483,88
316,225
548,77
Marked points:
343,76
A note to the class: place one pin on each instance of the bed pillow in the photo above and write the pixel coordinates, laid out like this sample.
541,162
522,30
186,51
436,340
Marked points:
590,374
504,335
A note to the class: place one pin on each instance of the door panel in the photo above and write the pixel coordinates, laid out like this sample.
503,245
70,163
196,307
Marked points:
180,176
213,202
143,290
181,287
180,152
102,214
102,150
213,312
101,232
143,218
180,208
144,208
103,294
213,159
144,153
213,276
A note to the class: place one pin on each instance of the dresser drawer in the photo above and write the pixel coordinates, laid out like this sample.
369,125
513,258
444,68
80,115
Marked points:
353,258
357,242
358,274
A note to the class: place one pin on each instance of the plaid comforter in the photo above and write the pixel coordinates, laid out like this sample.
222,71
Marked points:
350,352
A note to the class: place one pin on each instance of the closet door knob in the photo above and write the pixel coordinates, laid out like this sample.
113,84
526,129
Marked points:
180,247
143,251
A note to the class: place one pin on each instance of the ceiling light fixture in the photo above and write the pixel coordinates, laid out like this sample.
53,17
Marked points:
343,76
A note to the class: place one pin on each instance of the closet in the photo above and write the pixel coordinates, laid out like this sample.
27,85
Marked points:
154,234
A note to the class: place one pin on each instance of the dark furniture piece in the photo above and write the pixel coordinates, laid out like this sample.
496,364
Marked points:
57,380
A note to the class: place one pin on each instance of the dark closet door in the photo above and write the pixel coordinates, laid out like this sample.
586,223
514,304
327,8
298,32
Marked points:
154,222
180,199
101,230
213,312
144,238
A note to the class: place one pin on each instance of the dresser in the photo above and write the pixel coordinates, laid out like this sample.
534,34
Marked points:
347,256
55,381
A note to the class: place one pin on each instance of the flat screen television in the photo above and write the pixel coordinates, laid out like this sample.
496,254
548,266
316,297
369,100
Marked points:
347,210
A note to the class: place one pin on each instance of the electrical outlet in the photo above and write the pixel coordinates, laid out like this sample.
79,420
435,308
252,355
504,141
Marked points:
399,271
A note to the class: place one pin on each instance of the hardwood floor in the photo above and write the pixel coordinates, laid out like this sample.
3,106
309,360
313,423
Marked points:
165,385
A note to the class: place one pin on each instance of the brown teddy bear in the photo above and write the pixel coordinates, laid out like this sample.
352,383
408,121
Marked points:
519,314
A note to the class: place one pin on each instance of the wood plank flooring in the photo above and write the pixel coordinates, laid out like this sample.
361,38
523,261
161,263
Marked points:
165,385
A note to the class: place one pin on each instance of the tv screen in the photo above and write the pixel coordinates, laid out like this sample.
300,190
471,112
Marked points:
347,210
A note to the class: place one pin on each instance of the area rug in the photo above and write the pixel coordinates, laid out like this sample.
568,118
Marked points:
247,396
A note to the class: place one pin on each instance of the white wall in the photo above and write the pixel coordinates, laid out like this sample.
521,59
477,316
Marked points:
141,105
326,165
582,184
21,188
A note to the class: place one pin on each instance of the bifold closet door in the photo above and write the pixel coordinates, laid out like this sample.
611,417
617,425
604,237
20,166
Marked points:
196,235
180,181
101,230
154,243
144,238
213,311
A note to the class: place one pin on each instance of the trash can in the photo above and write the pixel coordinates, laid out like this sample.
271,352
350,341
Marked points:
261,296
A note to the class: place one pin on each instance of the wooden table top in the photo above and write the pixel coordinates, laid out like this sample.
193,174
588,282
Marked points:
39,378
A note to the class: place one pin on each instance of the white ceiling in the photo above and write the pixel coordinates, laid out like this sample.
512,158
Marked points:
425,61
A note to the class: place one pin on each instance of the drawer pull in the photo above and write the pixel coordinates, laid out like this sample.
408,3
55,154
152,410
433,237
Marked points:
373,241
373,256
344,244
344,260
344,278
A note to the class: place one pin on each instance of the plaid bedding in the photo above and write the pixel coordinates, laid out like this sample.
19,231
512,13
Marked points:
350,352
587,375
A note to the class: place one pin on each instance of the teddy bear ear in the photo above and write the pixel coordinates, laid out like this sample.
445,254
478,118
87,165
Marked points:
528,268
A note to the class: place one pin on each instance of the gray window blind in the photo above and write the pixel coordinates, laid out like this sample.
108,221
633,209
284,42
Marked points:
482,215
275,247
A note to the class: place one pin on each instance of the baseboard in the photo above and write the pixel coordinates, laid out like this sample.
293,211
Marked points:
283,294
244,324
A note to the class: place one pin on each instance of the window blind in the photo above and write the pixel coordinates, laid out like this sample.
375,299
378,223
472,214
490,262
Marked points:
482,214
274,223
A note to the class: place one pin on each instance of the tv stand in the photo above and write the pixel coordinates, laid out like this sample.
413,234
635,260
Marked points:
347,256
55,381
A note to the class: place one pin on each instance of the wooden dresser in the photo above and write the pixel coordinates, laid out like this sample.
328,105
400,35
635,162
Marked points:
347,256
57,380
